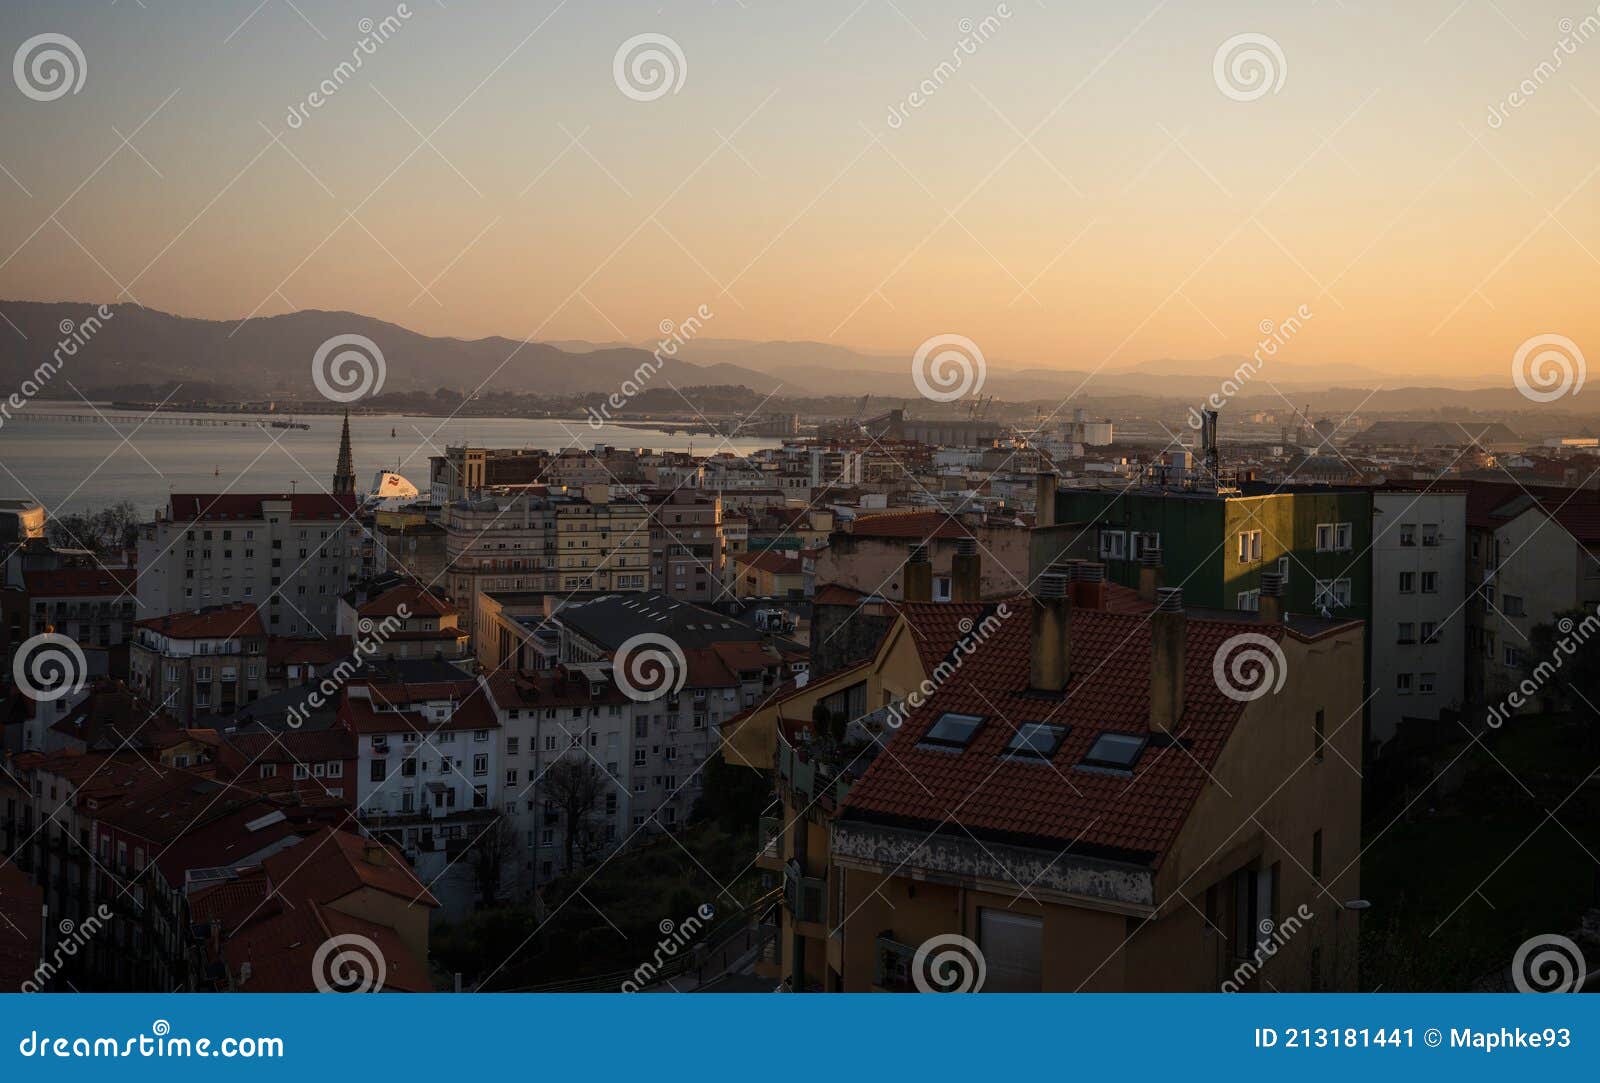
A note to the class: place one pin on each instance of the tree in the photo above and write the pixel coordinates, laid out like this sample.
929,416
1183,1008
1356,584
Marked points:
493,850
573,786
103,532
1562,664
733,796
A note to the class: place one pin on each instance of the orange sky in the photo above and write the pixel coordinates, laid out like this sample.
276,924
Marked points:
1078,192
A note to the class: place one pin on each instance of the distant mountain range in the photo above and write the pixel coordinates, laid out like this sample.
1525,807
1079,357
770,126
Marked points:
271,356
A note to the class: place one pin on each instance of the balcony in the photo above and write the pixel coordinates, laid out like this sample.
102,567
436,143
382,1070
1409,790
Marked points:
821,768
891,965
770,838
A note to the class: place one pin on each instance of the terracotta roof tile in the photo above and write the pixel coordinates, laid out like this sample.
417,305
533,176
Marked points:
218,622
80,582
1109,692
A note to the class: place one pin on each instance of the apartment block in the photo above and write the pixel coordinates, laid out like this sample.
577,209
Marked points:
289,555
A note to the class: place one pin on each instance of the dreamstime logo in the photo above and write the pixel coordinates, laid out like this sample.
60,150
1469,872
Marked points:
1273,338
74,938
973,636
1548,367
49,66
1271,936
947,367
1549,964
348,963
1573,34
1248,666
675,936
973,34
649,666
949,963
374,33
1249,66
674,335
355,371
49,666
649,66
1573,634
370,637
74,336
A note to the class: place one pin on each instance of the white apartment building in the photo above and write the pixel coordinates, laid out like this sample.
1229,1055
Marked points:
289,555
1540,563
428,775
649,751
1417,638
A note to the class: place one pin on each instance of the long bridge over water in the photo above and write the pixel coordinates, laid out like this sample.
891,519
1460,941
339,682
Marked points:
156,419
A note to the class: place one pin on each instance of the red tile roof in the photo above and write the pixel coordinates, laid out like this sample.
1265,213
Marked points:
218,622
472,711
80,582
331,864
770,561
188,507
921,525
418,603
1109,692
282,954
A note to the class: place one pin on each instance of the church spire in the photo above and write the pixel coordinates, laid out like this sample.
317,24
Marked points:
344,475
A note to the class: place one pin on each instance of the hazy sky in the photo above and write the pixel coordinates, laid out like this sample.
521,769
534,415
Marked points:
1078,192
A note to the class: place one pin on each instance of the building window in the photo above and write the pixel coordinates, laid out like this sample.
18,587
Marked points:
1406,632
1430,533
1512,604
1408,534
1425,683
1249,601
1430,582
380,770
1249,546
1402,683
1113,545
1408,582
1332,593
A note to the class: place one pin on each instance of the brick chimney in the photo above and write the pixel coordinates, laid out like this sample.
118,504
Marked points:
918,576
1149,574
1168,635
966,572
1272,591
1044,498
1088,585
1050,645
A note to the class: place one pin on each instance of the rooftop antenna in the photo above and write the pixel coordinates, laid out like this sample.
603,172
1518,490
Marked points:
1208,445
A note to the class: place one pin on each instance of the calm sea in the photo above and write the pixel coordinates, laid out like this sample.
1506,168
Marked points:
79,466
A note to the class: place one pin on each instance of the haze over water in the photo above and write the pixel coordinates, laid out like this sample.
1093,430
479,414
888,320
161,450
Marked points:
77,466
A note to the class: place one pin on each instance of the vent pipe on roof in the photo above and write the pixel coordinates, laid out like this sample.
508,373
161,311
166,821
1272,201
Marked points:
1169,629
1149,573
918,574
1050,642
966,572
1089,585
1271,603
1044,498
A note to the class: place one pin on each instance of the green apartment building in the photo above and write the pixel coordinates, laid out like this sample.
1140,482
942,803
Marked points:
1216,545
